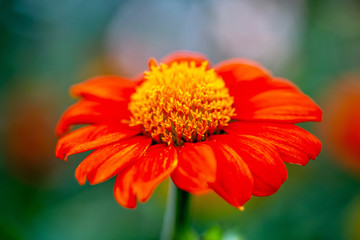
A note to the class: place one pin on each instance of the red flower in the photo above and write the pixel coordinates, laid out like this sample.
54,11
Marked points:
228,129
341,127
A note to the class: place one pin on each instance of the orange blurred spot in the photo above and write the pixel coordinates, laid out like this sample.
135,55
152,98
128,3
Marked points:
341,126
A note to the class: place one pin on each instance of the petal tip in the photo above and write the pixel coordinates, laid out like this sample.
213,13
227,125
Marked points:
241,208
185,55
59,153
129,204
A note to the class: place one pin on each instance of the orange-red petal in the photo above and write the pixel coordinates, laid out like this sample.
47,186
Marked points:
156,165
141,178
92,137
238,69
90,112
185,56
295,145
94,160
129,152
234,181
123,190
104,88
259,96
196,167
279,105
263,160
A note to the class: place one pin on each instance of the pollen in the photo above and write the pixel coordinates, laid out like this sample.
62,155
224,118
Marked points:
181,102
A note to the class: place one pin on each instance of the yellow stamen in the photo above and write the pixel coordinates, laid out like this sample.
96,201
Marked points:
180,103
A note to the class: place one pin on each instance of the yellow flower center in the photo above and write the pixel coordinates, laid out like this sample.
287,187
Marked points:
180,103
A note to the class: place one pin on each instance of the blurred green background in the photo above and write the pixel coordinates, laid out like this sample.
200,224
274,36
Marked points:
46,46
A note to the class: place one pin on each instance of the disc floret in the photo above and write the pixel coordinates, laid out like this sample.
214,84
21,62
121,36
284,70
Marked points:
181,102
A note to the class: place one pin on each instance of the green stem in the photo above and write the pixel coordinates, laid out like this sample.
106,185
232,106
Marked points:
176,220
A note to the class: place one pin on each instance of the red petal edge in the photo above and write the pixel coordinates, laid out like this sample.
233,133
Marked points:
234,181
92,137
129,152
196,167
186,56
140,179
295,145
120,151
90,112
263,160
104,88
155,166
259,96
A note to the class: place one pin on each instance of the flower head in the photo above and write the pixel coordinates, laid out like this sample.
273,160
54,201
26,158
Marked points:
228,129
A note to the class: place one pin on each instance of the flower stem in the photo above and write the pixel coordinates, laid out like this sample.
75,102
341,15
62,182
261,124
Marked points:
177,220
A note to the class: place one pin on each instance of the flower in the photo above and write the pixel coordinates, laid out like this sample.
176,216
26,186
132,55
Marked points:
228,129
341,126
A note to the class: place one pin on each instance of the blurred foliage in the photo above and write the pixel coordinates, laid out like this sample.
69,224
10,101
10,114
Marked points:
214,233
46,46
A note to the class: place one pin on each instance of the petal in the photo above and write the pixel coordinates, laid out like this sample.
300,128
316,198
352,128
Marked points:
239,69
129,152
188,183
104,88
196,167
276,100
185,56
234,181
281,105
155,166
263,160
91,137
258,96
95,159
123,191
89,112
294,144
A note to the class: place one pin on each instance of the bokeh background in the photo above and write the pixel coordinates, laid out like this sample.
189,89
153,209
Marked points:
46,46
